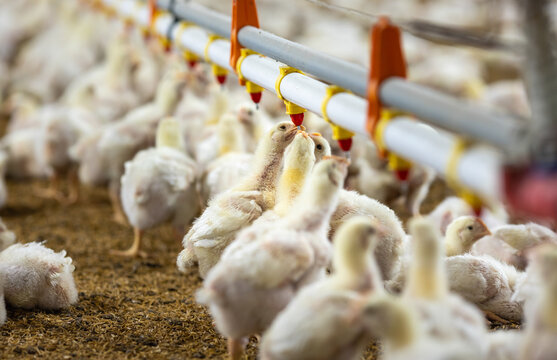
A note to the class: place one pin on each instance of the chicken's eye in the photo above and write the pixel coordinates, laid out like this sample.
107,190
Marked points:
470,227
319,147
250,112
282,127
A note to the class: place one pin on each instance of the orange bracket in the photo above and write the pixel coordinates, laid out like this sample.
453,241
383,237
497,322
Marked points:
244,13
387,60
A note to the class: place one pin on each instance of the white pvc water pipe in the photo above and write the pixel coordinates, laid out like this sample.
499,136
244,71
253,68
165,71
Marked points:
478,168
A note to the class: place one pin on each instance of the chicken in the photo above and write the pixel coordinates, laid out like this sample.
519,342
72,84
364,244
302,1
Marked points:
36,276
233,162
392,236
326,317
23,158
462,233
443,315
7,237
238,207
298,163
487,283
60,128
106,90
404,337
509,243
262,270
541,327
102,154
159,184
453,207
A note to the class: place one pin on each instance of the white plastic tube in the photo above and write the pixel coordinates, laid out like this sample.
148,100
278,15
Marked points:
478,167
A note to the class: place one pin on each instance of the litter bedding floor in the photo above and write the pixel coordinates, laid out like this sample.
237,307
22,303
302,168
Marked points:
128,308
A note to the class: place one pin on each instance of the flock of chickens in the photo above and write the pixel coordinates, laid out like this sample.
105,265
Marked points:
287,253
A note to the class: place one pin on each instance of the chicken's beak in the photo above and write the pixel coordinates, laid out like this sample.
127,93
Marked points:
485,229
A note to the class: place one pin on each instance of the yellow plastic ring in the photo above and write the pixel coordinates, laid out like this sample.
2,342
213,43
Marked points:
244,53
452,164
206,51
331,90
284,70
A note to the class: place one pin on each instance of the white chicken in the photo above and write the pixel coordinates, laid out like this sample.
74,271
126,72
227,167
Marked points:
462,233
238,207
7,237
102,154
444,315
260,272
541,326
327,317
453,207
403,335
106,90
36,276
392,234
509,243
487,283
233,162
159,184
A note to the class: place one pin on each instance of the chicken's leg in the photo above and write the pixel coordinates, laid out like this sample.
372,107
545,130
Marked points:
235,348
118,212
133,251
494,317
73,184
53,189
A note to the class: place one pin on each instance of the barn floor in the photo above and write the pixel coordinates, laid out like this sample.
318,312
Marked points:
127,308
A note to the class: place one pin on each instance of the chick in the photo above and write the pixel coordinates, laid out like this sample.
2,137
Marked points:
238,207
453,207
388,250
60,128
487,283
322,146
462,233
233,162
7,237
327,316
102,154
262,270
159,184
541,326
443,315
403,336
23,159
36,276
509,243
298,163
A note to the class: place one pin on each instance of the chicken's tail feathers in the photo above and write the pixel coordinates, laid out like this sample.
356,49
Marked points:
186,259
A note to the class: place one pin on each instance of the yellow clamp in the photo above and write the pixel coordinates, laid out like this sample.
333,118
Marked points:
395,162
452,175
217,70
339,133
189,56
250,86
291,108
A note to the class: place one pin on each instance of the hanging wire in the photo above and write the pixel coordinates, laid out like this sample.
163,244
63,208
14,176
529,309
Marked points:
433,32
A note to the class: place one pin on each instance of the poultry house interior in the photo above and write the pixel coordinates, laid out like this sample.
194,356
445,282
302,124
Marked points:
168,193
